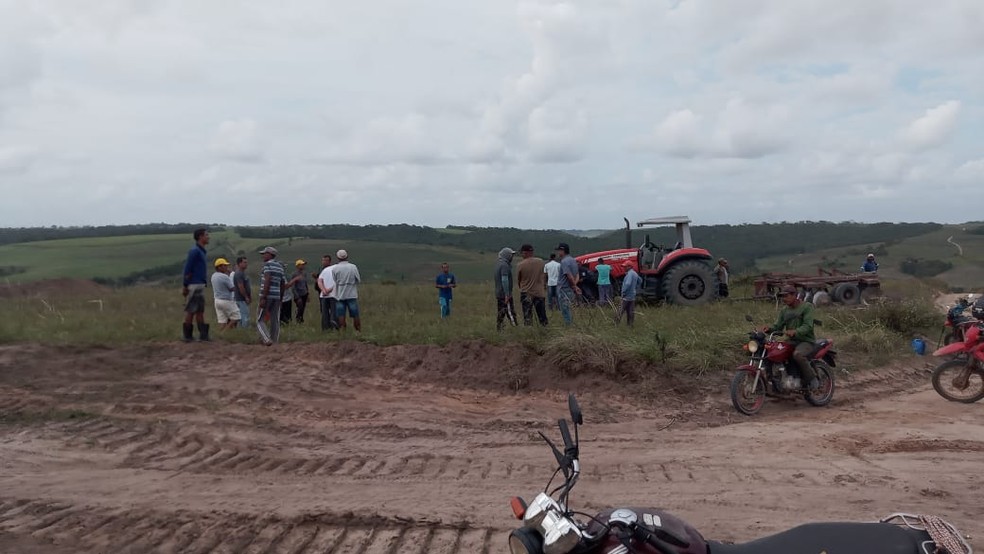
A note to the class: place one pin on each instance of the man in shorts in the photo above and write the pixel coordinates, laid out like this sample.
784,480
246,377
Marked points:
193,287
223,291
347,281
271,297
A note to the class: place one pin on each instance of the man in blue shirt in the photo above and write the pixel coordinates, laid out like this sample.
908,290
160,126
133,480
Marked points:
870,265
193,287
445,284
630,287
567,289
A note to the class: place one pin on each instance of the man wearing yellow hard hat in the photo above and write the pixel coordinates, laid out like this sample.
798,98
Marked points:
299,284
226,309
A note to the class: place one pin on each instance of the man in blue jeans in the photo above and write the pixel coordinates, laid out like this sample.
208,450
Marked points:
567,289
604,282
445,284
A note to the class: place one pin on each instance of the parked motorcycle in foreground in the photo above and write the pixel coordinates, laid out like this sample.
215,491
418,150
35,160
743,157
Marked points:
550,526
771,371
962,379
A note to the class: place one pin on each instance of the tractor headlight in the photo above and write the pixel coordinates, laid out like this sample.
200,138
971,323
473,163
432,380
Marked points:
753,346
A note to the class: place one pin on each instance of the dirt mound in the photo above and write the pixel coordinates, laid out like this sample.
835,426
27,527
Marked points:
53,287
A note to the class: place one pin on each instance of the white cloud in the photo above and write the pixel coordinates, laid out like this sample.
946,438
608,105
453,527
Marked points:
933,128
770,109
237,140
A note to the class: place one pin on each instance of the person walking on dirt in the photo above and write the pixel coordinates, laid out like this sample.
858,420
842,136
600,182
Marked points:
193,287
796,322
552,269
244,293
721,270
567,282
604,282
630,288
223,291
326,294
503,280
532,286
445,284
271,297
347,281
869,265
299,284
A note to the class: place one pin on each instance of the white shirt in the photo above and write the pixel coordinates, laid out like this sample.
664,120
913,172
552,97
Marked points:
552,269
328,277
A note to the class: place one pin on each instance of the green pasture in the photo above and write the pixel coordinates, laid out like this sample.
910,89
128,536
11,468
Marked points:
687,339
967,272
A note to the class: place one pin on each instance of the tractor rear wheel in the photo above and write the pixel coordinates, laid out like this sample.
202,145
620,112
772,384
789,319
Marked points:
689,283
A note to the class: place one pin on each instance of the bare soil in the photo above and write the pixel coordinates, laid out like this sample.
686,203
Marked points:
359,449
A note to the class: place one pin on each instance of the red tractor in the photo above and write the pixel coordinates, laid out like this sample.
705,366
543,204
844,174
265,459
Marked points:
679,275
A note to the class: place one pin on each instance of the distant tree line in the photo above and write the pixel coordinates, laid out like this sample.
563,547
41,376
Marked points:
32,234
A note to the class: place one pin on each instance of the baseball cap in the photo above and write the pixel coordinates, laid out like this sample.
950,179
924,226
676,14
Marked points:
526,248
269,250
341,254
299,263
871,255
221,261
565,247
627,263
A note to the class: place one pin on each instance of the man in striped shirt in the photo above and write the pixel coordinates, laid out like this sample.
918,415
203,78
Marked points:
271,297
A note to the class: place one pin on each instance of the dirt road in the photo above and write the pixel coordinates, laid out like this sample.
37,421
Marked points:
298,448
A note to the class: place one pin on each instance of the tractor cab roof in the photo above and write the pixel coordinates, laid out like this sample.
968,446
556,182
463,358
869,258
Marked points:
670,220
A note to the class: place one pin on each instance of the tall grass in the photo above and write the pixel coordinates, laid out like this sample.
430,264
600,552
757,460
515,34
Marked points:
693,340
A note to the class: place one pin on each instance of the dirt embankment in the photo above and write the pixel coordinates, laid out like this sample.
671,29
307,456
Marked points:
355,448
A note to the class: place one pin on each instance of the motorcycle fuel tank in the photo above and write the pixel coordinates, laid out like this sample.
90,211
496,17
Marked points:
652,519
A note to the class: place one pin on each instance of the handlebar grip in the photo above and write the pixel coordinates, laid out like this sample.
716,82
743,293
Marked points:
565,433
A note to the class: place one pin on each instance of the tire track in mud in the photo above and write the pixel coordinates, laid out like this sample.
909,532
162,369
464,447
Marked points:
90,529
158,447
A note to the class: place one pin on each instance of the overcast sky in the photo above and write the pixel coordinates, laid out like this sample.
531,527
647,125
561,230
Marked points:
535,113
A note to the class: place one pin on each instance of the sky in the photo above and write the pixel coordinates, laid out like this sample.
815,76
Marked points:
531,114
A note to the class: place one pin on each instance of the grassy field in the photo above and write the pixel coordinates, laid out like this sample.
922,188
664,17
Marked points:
967,272
687,339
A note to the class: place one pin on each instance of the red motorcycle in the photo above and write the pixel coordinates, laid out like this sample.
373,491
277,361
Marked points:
962,378
771,371
550,526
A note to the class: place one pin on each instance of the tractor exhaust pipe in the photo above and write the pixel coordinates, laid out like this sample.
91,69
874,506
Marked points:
628,233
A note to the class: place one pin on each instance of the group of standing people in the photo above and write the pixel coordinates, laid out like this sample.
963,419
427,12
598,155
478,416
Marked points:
232,291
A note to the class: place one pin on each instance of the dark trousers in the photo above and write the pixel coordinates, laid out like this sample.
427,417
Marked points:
722,290
553,301
285,312
531,303
800,354
505,310
301,302
328,318
627,308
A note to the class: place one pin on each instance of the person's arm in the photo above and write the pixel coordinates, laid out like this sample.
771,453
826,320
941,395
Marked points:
358,278
265,289
437,283
187,275
283,287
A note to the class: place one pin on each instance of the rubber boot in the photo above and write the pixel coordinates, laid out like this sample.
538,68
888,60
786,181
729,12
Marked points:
203,332
188,330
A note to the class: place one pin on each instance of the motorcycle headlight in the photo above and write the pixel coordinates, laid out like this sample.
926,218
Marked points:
525,541
753,346
560,535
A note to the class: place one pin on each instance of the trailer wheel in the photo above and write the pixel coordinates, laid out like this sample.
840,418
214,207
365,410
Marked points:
846,293
689,283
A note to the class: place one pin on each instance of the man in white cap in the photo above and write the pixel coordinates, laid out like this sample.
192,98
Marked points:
347,281
870,265
271,296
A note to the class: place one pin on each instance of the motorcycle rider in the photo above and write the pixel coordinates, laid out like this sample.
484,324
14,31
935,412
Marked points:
796,322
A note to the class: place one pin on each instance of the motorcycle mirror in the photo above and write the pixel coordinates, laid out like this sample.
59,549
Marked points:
749,318
575,409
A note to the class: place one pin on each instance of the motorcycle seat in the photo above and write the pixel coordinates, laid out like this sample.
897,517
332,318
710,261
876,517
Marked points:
819,345
833,538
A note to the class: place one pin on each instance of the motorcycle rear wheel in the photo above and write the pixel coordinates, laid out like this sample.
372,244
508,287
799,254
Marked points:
956,382
823,395
746,400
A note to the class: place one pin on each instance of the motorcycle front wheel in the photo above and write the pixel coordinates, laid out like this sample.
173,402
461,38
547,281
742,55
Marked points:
825,393
747,395
958,382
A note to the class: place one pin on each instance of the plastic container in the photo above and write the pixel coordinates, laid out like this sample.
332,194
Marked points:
919,346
